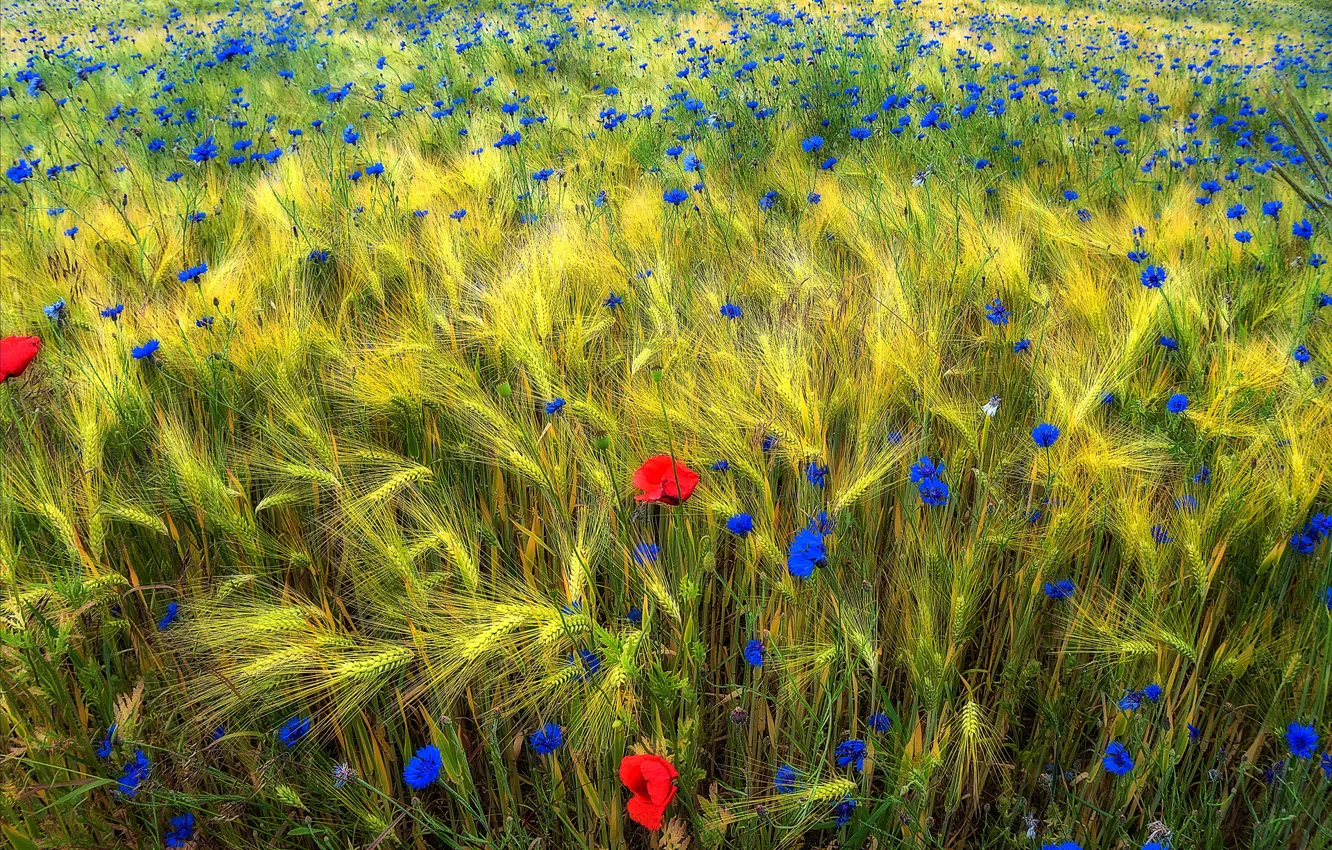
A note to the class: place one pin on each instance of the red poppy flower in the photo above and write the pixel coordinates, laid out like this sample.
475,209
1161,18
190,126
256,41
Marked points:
16,352
651,778
665,480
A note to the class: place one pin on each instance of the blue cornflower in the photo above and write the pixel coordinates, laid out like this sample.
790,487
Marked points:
805,554
1063,845
1168,343
822,523
674,196
635,616
108,741
55,311
1161,535
423,768
172,611
204,151
587,661
374,169
925,468
148,349
612,302
1272,208
1021,346
1070,195
1302,740
293,730
458,214
1117,759
191,273
547,739
754,653
740,524
1321,524
851,753
1236,212
996,313
1138,257
1177,403
1153,277
1302,229
1243,237
1303,542
816,474
1194,732
554,406
1059,590
721,466
646,553
1301,354
811,144
21,171
768,201
1203,475
181,832
1152,693
785,780
731,311
349,135
880,722
1044,435
933,492
844,810
133,774
1131,701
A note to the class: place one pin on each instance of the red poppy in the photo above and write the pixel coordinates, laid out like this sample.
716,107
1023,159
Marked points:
651,779
16,352
663,479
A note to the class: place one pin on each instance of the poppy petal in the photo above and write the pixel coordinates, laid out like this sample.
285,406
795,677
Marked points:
631,774
658,774
643,811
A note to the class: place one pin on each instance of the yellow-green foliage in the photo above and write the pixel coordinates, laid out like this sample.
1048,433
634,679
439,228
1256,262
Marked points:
348,477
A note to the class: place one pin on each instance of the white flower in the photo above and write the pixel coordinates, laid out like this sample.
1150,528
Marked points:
991,407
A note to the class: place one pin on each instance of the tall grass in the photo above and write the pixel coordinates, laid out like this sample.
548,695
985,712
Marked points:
343,474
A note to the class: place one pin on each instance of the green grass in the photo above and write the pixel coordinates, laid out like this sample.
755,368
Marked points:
349,486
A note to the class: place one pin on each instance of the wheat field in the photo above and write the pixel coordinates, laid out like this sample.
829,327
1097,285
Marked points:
665,424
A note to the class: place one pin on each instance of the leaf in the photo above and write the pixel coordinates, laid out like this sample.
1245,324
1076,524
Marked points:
18,839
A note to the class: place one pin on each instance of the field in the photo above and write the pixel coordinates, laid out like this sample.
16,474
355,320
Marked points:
668,424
